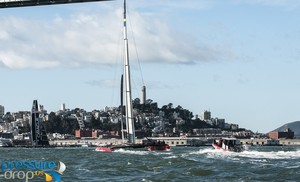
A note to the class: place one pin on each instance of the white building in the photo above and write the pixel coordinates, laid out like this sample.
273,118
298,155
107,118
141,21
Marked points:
63,107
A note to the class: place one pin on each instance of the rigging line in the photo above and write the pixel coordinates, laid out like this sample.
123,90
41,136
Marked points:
136,51
117,58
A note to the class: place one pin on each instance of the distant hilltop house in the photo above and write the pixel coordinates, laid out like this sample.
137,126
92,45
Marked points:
287,134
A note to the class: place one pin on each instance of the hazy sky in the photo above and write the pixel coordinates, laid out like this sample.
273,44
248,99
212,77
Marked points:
240,59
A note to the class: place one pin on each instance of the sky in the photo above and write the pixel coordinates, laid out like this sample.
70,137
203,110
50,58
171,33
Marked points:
239,59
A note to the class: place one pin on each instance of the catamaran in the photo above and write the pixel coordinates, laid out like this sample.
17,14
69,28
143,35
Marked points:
38,133
151,145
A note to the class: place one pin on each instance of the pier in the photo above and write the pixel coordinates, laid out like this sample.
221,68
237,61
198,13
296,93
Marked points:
172,141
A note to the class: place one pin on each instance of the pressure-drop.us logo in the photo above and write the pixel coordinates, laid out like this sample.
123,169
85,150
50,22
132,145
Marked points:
26,170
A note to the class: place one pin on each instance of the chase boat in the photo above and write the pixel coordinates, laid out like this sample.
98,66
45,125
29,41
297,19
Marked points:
153,145
228,144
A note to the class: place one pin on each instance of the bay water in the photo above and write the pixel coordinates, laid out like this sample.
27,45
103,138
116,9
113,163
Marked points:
261,163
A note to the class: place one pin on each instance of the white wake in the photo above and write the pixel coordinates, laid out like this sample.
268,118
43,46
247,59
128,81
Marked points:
253,154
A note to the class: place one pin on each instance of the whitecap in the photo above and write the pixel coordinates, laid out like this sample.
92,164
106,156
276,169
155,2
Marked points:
134,152
171,157
161,153
271,154
293,167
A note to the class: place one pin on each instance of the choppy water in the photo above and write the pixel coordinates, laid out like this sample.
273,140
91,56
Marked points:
178,164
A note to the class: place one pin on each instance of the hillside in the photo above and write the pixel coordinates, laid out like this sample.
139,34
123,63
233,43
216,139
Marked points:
294,126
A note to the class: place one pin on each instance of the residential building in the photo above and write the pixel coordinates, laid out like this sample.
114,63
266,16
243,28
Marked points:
83,133
287,134
206,115
1,110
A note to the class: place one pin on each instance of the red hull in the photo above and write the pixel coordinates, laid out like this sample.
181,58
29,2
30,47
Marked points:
104,149
158,147
218,147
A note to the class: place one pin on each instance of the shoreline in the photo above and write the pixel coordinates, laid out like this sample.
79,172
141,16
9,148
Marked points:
171,141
